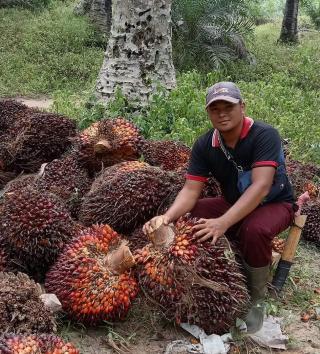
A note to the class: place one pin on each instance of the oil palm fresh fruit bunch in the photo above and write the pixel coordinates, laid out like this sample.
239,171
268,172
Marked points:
92,277
35,344
167,154
311,230
67,180
35,225
21,309
192,282
127,198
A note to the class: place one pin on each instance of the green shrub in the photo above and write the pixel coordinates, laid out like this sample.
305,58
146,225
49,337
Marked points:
312,9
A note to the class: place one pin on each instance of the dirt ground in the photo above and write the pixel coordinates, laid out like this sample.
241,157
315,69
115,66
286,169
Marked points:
42,102
145,333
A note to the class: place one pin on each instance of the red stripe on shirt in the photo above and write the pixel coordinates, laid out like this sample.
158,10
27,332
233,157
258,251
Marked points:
196,178
265,163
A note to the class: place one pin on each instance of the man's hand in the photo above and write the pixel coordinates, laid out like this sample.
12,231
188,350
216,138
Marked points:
149,226
207,228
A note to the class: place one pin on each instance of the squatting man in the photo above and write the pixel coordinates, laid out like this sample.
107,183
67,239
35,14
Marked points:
246,158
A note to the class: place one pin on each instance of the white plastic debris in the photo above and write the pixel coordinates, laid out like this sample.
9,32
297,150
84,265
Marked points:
270,335
51,302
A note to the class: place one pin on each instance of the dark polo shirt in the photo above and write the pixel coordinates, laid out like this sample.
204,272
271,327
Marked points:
259,145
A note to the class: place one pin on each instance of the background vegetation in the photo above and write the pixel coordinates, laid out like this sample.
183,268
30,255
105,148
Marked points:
54,53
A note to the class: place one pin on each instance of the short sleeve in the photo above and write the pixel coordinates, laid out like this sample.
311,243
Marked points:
267,148
198,169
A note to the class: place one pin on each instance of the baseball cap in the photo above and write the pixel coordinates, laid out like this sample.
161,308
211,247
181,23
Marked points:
224,91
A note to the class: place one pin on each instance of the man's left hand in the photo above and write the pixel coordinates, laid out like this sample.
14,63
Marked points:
207,228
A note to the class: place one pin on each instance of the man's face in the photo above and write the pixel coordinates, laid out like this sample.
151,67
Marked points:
225,116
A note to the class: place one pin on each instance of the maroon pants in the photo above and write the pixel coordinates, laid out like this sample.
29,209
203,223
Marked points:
255,232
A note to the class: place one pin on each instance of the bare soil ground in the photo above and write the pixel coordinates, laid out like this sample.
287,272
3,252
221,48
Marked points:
41,102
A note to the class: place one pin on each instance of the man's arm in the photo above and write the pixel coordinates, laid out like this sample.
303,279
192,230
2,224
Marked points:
262,179
184,202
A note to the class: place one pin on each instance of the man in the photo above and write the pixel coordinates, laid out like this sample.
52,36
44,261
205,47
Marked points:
253,215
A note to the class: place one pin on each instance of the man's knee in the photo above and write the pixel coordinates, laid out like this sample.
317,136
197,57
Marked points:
209,208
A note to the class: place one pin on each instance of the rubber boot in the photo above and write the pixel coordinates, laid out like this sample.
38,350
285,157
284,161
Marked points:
257,279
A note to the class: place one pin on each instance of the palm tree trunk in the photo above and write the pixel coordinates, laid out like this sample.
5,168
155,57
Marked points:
289,30
139,53
99,12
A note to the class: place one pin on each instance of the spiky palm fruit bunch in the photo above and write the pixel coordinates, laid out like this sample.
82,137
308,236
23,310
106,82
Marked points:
198,283
124,139
3,257
212,188
36,226
35,344
128,199
167,154
12,111
67,180
304,177
137,239
6,177
92,277
311,230
21,309
20,182
40,138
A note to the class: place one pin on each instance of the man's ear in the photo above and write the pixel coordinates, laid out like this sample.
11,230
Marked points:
243,108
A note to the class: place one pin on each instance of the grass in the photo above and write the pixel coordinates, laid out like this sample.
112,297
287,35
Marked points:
45,51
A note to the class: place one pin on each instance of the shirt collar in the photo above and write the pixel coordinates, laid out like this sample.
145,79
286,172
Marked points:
247,124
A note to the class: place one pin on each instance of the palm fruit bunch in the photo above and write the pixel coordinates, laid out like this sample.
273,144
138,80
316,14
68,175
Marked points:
137,239
36,139
127,199
311,230
5,177
35,225
12,111
35,344
118,140
192,282
211,189
20,182
92,277
278,244
83,148
21,309
69,186
167,154
304,177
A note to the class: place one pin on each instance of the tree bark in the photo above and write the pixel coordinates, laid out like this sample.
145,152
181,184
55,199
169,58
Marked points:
139,52
289,30
99,12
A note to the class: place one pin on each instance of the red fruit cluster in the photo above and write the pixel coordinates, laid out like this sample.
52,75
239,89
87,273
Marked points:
39,138
70,187
304,177
36,226
82,278
311,230
167,154
127,199
196,283
35,344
